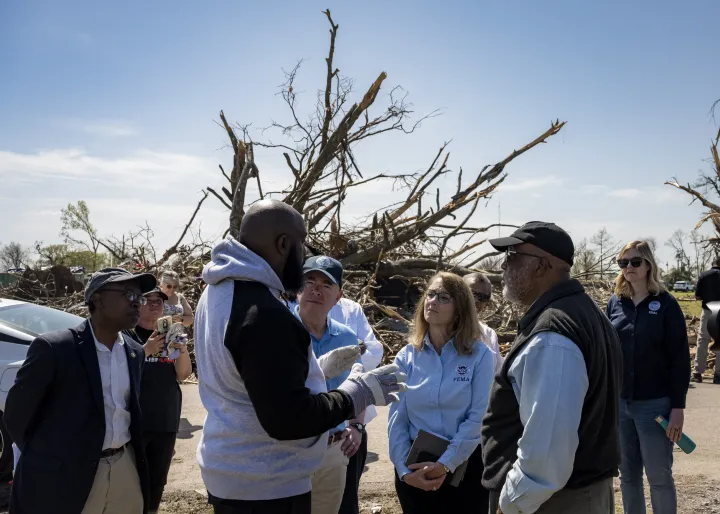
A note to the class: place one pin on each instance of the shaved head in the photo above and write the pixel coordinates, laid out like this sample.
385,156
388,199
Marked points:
276,232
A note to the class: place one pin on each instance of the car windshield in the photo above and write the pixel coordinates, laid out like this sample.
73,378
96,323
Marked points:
36,319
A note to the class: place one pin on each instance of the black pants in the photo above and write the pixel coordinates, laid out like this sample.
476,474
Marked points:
292,505
355,469
469,496
159,448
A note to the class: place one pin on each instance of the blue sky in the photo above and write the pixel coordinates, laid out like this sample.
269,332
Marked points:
116,103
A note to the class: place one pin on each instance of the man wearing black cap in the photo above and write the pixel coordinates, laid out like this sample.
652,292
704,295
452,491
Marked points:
550,436
74,410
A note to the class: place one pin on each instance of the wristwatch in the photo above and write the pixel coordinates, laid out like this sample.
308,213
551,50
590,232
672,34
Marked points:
447,469
358,426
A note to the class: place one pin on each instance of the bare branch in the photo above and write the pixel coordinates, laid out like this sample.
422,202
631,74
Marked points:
455,231
238,210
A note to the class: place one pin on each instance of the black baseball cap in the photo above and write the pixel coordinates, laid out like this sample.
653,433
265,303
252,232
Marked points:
328,266
157,291
546,236
105,276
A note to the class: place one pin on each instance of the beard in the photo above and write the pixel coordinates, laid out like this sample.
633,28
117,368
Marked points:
517,284
292,277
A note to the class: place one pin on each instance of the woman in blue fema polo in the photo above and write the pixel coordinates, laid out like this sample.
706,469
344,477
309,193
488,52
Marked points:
656,364
449,374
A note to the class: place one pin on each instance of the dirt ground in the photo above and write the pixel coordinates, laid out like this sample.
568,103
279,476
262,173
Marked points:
697,475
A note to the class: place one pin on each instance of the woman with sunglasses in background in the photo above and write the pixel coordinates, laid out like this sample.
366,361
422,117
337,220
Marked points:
449,374
176,305
481,289
652,331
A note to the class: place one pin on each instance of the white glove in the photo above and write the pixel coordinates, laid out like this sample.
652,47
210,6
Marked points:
336,362
379,387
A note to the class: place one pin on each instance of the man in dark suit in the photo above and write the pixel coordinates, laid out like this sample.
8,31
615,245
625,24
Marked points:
74,410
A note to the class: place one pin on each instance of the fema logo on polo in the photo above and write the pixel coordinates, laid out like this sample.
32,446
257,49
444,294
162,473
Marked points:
461,374
654,307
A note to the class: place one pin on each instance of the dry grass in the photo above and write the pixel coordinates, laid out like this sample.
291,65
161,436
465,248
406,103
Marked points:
688,303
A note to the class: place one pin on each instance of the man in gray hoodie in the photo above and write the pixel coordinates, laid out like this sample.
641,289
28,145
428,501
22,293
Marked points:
269,412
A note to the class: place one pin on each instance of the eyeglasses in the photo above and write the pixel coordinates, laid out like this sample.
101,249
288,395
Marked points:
132,297
510,255
481,297
442,298
635,262
169,286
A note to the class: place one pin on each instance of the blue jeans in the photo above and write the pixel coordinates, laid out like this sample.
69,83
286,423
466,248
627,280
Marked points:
643,443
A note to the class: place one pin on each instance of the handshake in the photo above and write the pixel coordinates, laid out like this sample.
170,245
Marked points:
380,386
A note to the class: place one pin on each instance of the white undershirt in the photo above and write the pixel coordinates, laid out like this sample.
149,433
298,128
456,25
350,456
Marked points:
115,378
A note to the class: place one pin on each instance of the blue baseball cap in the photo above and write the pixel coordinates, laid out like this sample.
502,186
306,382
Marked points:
328,266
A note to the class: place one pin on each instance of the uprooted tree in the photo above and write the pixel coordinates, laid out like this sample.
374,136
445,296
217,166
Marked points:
387,253
412,238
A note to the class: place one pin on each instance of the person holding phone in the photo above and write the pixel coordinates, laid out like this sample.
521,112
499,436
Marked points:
449,374
160,395
652,331
176,304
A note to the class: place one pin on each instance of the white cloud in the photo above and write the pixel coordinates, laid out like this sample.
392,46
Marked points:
108,128
625,193
152,169
646,194
532,183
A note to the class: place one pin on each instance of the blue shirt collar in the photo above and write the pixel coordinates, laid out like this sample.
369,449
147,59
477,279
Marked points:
426,342
332,326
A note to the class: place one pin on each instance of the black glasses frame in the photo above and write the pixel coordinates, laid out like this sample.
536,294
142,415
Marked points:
443,298
131,297
635,262
510,254
481,297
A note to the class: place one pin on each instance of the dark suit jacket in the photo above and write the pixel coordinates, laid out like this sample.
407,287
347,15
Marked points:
55,414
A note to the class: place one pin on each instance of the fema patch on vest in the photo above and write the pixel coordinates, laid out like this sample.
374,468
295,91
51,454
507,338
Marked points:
654,307
461,374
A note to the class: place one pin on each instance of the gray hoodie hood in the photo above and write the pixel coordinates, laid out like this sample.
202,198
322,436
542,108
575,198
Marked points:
231,260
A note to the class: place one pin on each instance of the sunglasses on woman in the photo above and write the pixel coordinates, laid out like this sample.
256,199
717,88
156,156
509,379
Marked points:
635,262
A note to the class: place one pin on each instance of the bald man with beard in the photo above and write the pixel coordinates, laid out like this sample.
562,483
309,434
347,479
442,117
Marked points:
268,408
550,437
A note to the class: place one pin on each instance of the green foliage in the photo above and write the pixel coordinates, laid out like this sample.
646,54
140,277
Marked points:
677,274
91,261
76,219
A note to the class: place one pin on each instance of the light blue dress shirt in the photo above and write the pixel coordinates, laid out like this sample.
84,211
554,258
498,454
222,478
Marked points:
447,395
336,336
550,381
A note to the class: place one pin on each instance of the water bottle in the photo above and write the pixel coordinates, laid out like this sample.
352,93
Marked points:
685,443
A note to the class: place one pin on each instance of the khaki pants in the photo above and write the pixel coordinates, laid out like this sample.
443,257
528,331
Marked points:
116,488
703,341
328,482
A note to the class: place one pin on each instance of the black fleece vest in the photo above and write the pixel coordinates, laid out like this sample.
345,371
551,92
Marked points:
567,310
